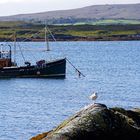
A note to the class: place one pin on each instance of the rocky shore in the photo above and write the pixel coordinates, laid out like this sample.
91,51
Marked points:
79,38
97,121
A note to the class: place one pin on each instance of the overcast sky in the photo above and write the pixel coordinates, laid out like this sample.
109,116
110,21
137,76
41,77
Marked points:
12,7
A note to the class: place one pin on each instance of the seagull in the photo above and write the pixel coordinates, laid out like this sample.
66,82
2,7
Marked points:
94,96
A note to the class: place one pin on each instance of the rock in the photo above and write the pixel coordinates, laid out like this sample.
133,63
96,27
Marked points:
95,122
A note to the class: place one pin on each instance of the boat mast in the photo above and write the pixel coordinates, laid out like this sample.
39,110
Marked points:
46,39
14,48
10,55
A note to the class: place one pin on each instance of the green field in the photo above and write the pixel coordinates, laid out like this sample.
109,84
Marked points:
26,30
106,22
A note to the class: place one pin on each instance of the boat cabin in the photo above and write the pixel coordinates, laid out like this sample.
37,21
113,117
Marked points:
5,57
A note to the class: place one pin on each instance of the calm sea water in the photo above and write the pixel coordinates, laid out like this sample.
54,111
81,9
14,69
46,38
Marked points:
32,106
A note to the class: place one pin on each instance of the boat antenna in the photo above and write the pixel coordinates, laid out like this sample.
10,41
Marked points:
46,38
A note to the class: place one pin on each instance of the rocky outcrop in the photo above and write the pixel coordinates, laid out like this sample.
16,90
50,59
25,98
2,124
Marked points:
95,122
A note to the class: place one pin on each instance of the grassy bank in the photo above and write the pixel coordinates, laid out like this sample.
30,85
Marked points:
70,32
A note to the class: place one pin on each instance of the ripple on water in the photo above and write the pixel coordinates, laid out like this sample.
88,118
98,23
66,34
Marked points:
32,106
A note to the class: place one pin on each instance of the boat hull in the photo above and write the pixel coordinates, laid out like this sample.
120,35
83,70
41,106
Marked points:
53,69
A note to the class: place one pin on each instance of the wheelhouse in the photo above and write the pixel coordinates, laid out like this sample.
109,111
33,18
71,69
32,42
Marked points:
5,56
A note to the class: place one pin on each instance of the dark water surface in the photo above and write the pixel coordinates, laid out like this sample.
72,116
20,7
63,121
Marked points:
32,106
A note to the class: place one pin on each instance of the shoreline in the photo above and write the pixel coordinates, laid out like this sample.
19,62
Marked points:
76,39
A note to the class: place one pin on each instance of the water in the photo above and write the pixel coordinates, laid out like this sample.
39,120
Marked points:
32,106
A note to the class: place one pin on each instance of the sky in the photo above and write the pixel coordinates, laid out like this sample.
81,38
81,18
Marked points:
13,7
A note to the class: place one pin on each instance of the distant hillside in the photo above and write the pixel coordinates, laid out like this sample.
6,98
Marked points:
87,14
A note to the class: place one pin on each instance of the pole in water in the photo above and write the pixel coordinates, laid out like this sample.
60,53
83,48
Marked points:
46,38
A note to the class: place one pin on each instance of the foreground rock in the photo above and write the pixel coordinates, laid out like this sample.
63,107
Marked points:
96,122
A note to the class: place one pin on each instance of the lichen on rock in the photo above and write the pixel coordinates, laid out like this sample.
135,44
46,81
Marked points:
96,121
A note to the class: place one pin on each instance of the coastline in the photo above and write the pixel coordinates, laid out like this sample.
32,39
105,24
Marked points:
124,38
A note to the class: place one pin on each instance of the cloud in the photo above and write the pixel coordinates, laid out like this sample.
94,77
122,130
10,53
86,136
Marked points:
9,1
16,1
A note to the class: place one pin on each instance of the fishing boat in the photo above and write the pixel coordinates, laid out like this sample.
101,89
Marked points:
42,69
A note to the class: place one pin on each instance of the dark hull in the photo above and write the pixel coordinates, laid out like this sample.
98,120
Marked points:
54,69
